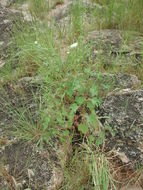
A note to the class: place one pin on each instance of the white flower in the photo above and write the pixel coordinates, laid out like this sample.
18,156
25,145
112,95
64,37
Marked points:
36,42
74,45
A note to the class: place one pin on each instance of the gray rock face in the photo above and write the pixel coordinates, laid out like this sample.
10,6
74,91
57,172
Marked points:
5,25
124,80
6,3
123,112
111,42
119,80
106,39
61,12
65,9
27,166
6,21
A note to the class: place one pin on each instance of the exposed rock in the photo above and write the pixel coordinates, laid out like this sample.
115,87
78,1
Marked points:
60,12
6,21
2,63
123,112
106,39
111,42
30,167
126,81
29,81
117,80
6,3
64,10
114,41
25,12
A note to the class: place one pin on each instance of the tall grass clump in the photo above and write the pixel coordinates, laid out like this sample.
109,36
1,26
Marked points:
28,50
77,15
77,173
39,8
88,169
33,44
100,171
120,14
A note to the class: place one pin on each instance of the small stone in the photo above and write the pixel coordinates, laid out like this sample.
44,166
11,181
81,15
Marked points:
1,43
6,21
123,157
30,174
2,63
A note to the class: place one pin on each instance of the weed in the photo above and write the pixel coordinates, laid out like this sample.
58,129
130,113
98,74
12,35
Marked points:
77,174
39,8
77,19
100,171
120,14
88,169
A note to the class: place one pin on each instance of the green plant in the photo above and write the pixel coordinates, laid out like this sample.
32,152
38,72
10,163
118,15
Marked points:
100,170
39,8
77,19
88,169
120,14
77,173
66,86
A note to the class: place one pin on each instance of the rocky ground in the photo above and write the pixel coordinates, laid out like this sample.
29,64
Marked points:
26,166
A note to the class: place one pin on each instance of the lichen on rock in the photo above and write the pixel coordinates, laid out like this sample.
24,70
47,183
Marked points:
30,166
123,112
